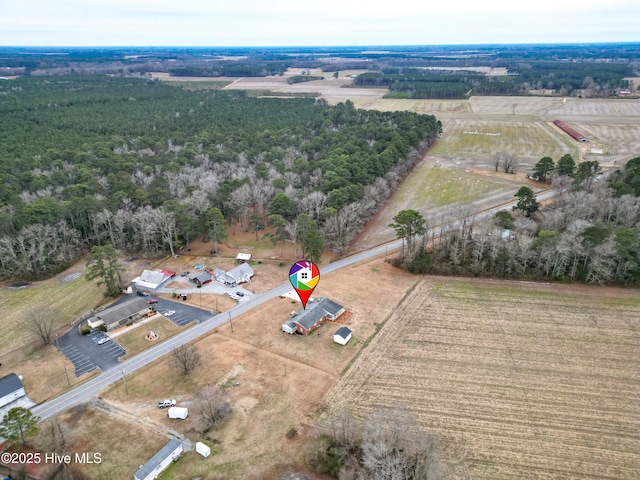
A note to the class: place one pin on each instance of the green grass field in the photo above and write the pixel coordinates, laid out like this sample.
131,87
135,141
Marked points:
442,186
532,140
68,296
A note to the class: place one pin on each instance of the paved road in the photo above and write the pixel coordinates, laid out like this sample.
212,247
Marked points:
85,392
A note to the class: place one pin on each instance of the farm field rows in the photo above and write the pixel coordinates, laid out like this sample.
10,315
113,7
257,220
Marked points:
520,380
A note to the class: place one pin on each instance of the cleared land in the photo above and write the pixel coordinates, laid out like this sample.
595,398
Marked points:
282,379
434,187
529,141
520,380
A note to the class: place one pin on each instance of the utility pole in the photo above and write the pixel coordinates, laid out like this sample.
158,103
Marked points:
67,375
230,321
124,378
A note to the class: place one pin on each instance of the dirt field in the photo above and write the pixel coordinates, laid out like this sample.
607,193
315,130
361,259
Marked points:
282,378
521,380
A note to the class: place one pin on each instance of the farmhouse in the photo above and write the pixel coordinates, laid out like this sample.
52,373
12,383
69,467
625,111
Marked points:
574,133
121,314
242,273
160,461
224,278
152,279
11,389
306,321
200,278
342,336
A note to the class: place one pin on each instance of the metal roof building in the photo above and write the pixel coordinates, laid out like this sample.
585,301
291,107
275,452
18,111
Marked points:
571,131
11,389
309,319
160,461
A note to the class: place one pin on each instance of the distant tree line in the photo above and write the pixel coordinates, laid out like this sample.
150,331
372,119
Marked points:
148,167
588,79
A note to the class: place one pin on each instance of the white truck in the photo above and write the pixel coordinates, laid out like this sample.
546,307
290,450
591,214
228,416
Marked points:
178,412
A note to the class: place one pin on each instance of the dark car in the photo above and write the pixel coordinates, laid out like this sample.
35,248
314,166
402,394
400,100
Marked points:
143,294
240,294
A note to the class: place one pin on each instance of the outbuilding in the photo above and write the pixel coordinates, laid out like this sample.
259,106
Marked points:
11,389
342,336
200,278
160,461
203,449
243,257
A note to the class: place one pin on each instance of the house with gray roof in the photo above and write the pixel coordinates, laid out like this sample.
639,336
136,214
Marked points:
200,278
242,273
125,313
11,389
160,461
317,312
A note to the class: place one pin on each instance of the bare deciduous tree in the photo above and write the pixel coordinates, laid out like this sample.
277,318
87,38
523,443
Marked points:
39,322
211,406
184,359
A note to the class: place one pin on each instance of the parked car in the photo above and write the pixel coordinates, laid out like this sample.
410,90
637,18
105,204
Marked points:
152,301
240,294
143,294
104,340
170,402
184,274
168,313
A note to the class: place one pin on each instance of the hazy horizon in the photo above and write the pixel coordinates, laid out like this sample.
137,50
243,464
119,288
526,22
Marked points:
331,23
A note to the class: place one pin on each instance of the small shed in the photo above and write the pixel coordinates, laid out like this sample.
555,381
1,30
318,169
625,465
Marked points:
11,389
160,461
243,257
342,336
203,449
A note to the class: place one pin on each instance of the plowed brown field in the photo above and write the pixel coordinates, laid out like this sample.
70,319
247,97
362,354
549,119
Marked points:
521,380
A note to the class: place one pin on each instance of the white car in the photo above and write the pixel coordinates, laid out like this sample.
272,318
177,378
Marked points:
168,313
104,340
170,402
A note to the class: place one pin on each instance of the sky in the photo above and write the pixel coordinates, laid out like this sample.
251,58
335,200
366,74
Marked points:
315,23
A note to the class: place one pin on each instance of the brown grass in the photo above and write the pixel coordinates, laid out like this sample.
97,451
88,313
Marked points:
123,446
521,380
282,378
135,342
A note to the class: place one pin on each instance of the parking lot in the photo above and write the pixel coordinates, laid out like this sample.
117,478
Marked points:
87,354
98,350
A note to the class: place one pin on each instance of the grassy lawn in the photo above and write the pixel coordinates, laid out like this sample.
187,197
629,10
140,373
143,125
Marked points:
43,371
135,342
442,186
483,138
68,298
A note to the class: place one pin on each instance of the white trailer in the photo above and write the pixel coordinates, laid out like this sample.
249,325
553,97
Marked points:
203,449
178,412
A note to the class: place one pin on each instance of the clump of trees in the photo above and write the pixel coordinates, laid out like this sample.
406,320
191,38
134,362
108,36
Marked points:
211,406
590,233
386,445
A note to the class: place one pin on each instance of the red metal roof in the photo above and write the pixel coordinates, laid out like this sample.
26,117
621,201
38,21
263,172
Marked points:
571,131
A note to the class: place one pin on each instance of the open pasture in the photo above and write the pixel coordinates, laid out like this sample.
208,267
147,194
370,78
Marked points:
527,140
521,380
434,186
621,142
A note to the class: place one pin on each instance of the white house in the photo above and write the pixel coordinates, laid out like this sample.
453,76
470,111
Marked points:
11,389
342,336
160,461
